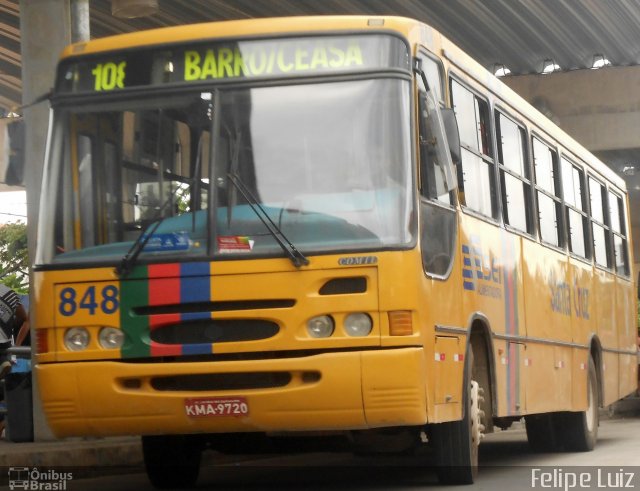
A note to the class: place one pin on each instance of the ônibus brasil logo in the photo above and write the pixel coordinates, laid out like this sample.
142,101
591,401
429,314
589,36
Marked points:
35,480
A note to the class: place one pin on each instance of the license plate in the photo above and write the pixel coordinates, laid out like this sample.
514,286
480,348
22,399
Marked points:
216,406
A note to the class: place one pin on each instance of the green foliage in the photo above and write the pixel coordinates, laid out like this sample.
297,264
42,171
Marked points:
183,198
14,271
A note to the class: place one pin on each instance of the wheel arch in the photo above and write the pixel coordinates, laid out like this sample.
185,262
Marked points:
480,338
595,352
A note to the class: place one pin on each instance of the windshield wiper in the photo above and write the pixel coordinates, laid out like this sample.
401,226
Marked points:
129,259
297,258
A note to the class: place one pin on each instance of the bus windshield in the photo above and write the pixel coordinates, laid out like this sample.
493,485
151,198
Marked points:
328,163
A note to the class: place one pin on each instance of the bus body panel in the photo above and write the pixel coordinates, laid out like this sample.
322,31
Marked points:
492,283
626,301
354,390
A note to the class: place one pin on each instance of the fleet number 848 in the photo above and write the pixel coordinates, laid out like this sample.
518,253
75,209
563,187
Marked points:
106,300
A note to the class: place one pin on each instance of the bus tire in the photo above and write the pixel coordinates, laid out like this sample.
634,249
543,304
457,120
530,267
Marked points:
456,443
171,461
541,432
580,429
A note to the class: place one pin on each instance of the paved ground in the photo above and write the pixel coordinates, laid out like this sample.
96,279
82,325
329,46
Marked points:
112,455
506,463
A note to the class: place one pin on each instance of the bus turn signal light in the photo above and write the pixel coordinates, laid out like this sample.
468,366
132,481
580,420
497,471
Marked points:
42,341
400,323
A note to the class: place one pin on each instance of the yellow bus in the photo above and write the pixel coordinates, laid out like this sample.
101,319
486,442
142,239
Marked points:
321,226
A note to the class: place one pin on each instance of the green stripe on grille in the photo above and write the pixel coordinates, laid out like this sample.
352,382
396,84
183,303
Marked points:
135,292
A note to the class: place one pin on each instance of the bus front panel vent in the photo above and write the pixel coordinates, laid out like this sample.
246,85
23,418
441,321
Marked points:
343,286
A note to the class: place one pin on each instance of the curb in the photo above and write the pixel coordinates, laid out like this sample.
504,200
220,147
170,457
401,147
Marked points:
118,452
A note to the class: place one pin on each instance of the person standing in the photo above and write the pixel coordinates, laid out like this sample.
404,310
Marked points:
14,325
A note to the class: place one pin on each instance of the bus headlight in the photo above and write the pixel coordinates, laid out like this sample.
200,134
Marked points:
358,325
320,327
111,338
76,339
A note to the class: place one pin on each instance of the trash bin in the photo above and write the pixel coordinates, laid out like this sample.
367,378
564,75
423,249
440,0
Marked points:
18,397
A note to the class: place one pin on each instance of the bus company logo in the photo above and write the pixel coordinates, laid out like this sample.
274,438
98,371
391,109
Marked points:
481,270
357,261
35,480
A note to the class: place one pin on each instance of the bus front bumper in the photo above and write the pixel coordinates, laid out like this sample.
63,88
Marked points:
330,391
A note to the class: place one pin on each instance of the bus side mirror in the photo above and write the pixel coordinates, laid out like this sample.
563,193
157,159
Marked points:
453,136
12,151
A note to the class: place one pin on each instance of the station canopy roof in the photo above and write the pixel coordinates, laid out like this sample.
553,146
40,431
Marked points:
518,34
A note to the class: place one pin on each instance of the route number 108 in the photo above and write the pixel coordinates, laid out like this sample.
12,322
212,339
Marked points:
109,76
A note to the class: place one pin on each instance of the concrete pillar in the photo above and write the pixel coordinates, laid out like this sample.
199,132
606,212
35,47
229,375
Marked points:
45,30
80,25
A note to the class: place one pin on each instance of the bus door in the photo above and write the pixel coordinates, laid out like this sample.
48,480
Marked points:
438,225
438,231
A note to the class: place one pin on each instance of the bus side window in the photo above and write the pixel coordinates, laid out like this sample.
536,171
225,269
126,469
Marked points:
514,173
547,193
476,174
432,172
433,71
599,226
575,209
618,230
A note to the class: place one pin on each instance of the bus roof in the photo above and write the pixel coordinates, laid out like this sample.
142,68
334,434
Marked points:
240,28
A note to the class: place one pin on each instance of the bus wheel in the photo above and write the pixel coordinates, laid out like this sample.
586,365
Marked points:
580,429
456,443
171,461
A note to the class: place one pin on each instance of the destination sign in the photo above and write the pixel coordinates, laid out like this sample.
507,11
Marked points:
229,61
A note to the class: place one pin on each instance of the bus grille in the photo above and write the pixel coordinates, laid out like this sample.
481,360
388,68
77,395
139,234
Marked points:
221,381
207,331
